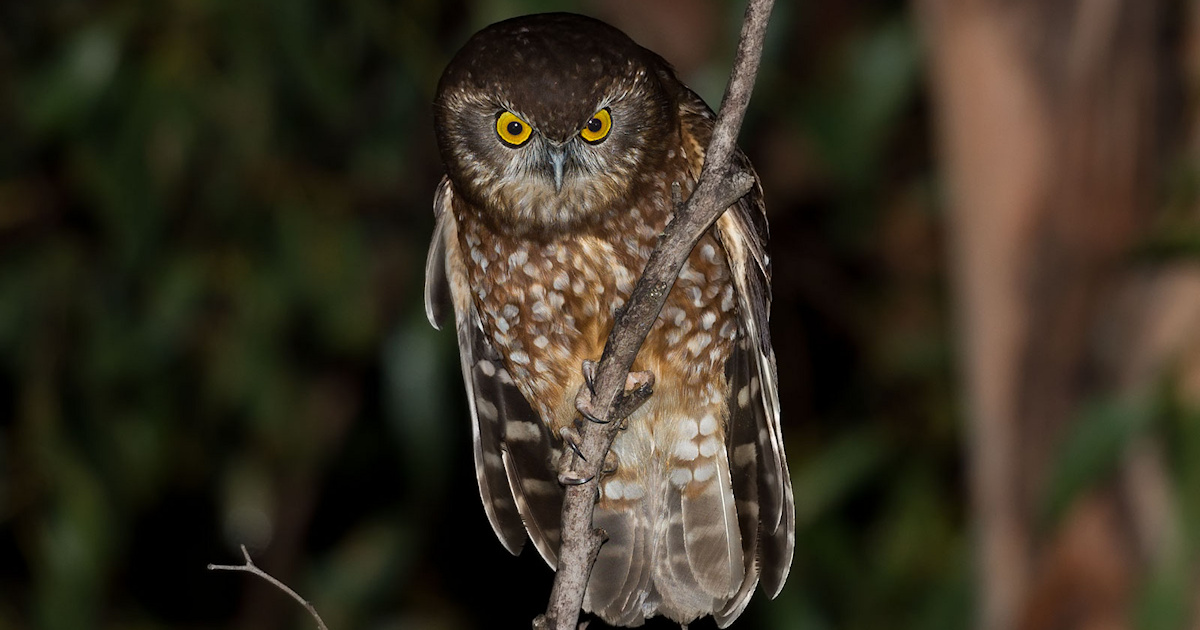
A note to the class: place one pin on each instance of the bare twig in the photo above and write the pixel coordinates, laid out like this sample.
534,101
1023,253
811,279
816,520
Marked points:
720,185
250,567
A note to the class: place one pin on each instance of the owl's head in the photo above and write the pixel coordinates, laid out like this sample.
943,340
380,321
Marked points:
544,121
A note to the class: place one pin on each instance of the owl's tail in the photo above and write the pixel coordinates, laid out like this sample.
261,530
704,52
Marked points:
674,546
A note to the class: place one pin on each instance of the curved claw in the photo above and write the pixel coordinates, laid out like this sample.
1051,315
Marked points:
584,404
571,438
610,464
589,374
573,478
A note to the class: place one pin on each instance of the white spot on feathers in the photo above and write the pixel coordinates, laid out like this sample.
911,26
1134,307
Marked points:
727,299
522,431
744,455
686,450
698,343
680,477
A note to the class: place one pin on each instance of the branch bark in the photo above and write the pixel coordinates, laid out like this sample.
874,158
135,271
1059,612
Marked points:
720,186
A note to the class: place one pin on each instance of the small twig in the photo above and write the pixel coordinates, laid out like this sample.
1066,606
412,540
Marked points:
720,186
250,567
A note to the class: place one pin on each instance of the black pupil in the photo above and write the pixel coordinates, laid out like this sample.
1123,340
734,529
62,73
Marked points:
514,128
594,125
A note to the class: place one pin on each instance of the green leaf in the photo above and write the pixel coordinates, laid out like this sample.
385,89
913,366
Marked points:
1092,450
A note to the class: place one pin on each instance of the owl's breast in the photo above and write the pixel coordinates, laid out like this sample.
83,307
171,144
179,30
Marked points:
549,303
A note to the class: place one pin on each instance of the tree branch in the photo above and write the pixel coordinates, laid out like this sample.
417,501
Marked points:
250,567
720,186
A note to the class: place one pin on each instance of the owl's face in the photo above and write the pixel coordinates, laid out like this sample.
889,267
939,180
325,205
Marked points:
550,120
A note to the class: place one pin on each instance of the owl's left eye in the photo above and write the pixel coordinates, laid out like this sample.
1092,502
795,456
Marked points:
512,130
597,128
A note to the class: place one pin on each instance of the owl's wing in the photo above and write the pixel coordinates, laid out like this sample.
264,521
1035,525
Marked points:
513,448
759,466
437,286
761,483
446,282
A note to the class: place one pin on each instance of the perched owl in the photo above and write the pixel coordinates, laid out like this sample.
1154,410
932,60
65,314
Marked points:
562,139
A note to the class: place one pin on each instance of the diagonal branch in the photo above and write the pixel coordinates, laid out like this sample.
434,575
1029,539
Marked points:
720,186
250,567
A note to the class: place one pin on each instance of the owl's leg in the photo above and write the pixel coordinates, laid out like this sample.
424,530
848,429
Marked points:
568,474
610,464
572,437
638,387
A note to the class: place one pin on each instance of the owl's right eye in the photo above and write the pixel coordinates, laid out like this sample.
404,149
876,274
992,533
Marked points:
512,130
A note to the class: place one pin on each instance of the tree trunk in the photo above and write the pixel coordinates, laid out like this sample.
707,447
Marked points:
1051,122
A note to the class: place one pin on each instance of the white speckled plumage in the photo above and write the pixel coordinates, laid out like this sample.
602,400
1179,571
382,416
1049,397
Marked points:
699,508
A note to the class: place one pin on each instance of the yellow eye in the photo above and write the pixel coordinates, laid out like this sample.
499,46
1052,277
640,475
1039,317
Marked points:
512,130
596,129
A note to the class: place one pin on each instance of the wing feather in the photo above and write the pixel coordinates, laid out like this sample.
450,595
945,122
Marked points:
513,447
437,286
743,233
744,461
487,431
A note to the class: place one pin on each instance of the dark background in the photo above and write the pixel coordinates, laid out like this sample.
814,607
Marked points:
213,223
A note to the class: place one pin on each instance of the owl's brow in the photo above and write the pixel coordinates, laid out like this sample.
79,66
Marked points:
628,89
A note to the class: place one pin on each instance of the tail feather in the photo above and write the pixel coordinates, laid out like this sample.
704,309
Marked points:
778,546
710,524
675,534
614,565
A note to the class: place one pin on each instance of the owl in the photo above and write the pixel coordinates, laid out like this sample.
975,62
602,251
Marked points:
562,141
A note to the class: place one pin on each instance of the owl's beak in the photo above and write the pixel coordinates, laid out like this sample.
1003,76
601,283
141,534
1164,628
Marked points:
557,156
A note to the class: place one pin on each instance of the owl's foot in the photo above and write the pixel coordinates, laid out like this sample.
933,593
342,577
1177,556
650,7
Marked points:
638,387
573,439
568,475
610,464
589,374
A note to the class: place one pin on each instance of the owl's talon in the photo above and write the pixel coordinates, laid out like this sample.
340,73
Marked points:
589,374
573,439
573,478
584,404
610,464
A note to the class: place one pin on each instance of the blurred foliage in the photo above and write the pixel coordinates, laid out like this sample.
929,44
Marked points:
213,221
